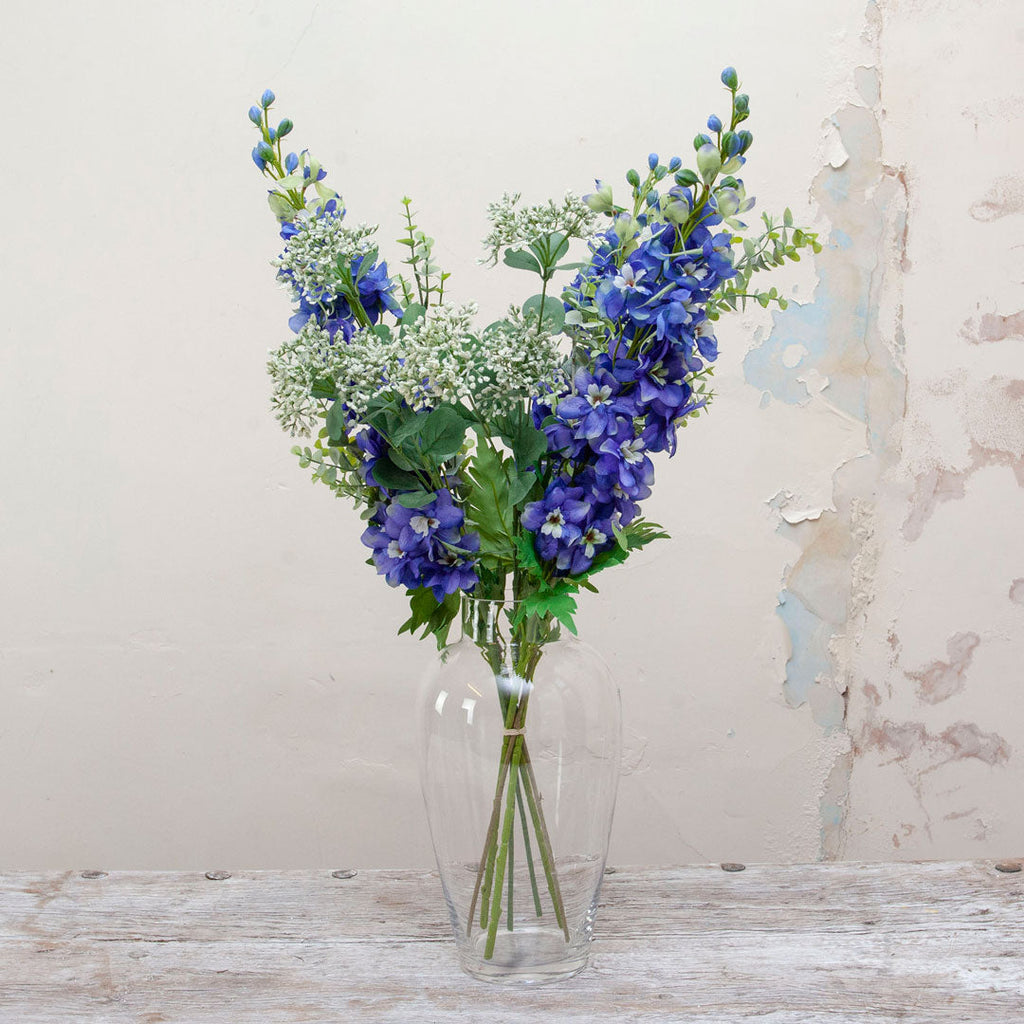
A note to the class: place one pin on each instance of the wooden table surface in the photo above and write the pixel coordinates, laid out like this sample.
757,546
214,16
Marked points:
842,943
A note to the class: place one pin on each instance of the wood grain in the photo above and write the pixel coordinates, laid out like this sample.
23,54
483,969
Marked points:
837,943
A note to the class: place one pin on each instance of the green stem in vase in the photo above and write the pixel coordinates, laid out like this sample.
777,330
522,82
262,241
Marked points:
529,850
544,842
502,855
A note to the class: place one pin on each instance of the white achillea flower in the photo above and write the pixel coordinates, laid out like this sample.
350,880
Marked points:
309,264
516,227
522,361
437,359
295,367
441,358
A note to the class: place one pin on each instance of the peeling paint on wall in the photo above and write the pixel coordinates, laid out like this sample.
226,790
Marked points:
845,349
940,680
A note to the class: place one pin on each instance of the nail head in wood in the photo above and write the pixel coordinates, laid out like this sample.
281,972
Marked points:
218,876
94,874
344,873
732,866
610,871
1009,867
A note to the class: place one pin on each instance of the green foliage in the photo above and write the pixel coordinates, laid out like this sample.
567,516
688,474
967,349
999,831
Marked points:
427,275
553,316
432,615
433,437
525,441
777,244
488,510
554,597
519,259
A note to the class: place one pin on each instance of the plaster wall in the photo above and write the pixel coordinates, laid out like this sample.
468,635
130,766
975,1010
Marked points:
196,667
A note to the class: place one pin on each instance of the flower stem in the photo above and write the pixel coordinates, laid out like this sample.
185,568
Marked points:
502,857
529,850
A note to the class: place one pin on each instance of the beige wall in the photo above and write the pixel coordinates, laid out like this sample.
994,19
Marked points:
196,667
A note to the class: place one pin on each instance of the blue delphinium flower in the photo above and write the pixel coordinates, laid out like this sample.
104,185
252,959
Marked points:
597,403
555,520
424,547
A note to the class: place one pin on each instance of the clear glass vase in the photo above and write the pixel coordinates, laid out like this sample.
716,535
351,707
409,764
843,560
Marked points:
520,747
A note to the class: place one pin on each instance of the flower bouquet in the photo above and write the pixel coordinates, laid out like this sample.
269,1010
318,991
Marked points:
500,468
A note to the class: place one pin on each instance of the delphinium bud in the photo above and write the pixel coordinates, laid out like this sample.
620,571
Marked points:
601,200
267,98
742,103
746,139
686,177
265,151
701,140
674,164
291,161
633,178
652,160
284,128
729,78
714,124
257,159
709,162
256,115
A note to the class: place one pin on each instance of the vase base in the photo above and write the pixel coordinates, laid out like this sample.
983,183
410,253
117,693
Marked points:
525,957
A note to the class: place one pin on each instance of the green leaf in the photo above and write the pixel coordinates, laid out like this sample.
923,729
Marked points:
412,313
522,260
324,387
415,499
554,312
558,245
388,475
526,555
437,435
554,603
528,443
434,616
336,423
521,486
487,506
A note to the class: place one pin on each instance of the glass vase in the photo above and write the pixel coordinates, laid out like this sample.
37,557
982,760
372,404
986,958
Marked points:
520,747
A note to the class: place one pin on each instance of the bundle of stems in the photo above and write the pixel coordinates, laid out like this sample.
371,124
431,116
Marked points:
516,794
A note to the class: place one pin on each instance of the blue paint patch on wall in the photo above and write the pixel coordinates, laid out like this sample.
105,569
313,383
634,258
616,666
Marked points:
841,239
831,814
806,325
808,642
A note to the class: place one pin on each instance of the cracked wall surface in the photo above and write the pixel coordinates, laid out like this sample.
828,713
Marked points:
196,667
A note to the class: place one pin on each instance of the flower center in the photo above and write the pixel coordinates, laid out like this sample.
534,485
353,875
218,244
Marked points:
423,524
553,523
597,396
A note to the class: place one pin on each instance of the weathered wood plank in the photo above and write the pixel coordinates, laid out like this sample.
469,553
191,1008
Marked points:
837,943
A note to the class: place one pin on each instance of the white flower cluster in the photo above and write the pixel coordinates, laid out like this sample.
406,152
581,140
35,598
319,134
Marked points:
523,362
309,263
295,367
516,227
440,358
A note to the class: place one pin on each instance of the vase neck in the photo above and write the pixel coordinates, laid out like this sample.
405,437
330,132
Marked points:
494,622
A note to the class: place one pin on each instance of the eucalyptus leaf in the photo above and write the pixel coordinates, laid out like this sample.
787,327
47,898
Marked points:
553,318
522,260
415,499
336,422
